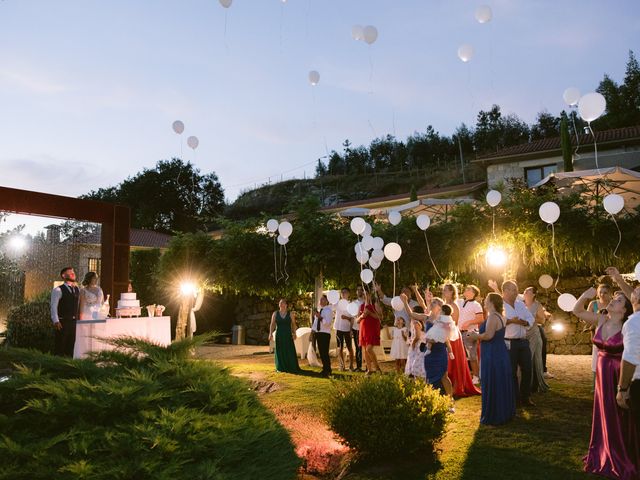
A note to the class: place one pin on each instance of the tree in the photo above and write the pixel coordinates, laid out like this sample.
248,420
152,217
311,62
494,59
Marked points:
546,126
321,169
173,196
565,141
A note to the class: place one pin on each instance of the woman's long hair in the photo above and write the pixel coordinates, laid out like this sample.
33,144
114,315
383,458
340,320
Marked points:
88,278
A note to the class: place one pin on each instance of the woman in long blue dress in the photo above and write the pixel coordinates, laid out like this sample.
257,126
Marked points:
498,399
284,324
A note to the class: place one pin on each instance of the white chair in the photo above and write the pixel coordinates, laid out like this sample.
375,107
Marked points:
385,338
302,341
333,344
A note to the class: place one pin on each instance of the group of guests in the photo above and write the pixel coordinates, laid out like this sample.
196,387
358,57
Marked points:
69,303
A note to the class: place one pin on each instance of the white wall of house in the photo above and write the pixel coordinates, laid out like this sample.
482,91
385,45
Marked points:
501,172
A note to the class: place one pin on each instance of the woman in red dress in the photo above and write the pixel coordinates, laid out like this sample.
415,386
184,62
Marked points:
369,320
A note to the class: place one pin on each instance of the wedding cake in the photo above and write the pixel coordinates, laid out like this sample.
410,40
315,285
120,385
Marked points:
128,305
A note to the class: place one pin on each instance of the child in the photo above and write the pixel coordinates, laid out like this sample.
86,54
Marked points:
399,347
443,331
415,358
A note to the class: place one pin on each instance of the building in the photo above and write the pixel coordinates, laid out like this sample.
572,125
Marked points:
533,161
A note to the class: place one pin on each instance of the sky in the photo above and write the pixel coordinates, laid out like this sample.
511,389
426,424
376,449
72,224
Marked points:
89,88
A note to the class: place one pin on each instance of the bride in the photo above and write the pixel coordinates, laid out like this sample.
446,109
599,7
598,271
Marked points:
91,297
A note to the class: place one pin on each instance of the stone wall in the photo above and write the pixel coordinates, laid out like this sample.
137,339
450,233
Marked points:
255,315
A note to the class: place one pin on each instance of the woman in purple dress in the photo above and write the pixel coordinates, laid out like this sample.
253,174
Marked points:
613,449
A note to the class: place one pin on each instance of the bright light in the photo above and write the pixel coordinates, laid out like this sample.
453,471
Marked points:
18,243
188,288
496,256
558,327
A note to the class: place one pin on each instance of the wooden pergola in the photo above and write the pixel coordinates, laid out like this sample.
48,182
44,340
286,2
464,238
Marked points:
114,236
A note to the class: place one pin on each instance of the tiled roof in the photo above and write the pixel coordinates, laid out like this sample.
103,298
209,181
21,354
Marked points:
552,145
137,238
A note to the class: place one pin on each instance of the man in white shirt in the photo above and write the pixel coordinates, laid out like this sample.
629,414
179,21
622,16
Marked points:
471,315
342,325
519,320
322,329
399,313
356,329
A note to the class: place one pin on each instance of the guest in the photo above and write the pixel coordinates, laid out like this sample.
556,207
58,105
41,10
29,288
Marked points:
613,448
535,340
355,329
471,316
399,347
415,358
397,313
283,323
342,325
369,318
600,303
442,331
519,320
322,329
498,397
91,297
65,306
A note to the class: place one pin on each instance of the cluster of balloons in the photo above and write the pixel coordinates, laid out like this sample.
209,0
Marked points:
372,250
352,308
483,14
178,127
368,33
590,106
284,229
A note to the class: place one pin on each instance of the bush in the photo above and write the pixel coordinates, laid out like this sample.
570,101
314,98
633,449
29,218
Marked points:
141,411
29,326
383,416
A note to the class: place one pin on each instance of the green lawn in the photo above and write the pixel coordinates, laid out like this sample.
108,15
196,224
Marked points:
547,441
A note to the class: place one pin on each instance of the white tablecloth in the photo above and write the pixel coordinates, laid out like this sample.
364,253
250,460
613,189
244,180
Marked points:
88,332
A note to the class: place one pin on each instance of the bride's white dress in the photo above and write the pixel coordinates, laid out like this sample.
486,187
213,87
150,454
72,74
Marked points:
91,302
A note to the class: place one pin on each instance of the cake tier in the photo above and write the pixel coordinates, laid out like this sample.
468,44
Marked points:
128,296
128,312
128,303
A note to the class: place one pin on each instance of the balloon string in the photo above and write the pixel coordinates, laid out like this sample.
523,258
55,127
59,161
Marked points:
473,100
275,260
286,274
575,130
553,251
431,258
493,211
281,276
615,252
370,71
394,279
181,147
281,21
595,146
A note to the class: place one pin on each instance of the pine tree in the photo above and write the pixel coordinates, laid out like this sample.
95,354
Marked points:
565,141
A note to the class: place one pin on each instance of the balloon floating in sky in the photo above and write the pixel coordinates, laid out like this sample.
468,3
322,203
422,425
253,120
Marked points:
272,225
178,127
423,221
591,106
285,229
571,96
370,34
484,14
549,212
193,142
226,3
465,52
358,225
392,251
357,32
566,302
613,203
545,281
314,78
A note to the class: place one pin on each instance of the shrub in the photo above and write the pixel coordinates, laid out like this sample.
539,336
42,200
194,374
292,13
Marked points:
29,326
384,416
140,411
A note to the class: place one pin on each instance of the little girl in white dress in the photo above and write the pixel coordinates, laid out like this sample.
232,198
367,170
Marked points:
443,331
415,358
399,347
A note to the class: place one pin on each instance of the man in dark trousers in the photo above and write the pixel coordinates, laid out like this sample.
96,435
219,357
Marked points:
65,303
322,329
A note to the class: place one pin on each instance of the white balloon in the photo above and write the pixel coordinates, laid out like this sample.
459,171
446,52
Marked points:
178,127
465,52
637,271
566,302
370,34
272,225
357,32
375,264
193,142
549,212
423,221
343,304
358,248
378,243
353,309
367,230
571,96
358,225
394,217
591,106
494,197
333,296
314,78
484,14
226,3
366,275
285,229
377,255
282,240
362,257
397,304
392,251
545,281
367,242
613,203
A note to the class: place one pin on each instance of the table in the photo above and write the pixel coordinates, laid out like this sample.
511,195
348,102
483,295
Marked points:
89,332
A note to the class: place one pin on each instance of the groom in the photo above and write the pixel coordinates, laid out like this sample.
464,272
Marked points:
64,312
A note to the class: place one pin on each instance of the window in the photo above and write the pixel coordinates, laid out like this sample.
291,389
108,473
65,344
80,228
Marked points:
534,174
94,265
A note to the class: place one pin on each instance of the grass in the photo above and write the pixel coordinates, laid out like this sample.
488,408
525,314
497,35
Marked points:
547,441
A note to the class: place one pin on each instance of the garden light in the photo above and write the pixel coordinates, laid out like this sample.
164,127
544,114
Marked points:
18,243
188,289
558,327
496,256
